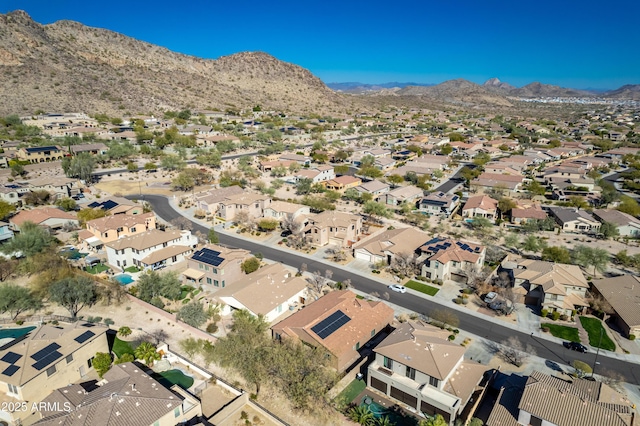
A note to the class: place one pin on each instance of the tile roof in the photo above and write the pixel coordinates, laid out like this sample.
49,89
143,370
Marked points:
145,240
107,223
495,179
334,218
285,207
227,254
40,215
623,294
533,212
405,192
165,253
373,186
483,202
445,250
217,195
245,198
129,397
616,217
565,215
344,180
553,277
395,241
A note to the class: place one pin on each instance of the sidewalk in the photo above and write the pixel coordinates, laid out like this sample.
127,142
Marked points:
444,300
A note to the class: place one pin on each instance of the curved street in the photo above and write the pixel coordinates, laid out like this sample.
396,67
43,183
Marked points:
473,324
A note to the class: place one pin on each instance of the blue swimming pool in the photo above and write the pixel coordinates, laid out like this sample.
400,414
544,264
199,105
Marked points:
14,332
123,279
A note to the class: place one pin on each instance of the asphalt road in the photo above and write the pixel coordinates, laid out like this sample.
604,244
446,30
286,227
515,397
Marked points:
472,324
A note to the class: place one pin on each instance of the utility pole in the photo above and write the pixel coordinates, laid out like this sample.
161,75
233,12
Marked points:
595,361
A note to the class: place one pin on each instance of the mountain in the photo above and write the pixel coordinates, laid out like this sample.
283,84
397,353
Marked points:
539,90
66,66
457,92
627,92
354,87
496,86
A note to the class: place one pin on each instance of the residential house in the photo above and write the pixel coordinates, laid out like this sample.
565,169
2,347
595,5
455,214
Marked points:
373,187
317,174
339,323
384,163
628,226
251,204
439,204
214,266
209,201
500,168
91,148
117,205
549,400
11,193
58,187
481,206
127,394
555,287
493,182
447,259
45,216
153,249
267,166
420,368
574,220
40,154
272,291
523,214
45,359
384,246
303,160
110,228
342,183
623,294
560,173
280,209
401,194
332,227
5,231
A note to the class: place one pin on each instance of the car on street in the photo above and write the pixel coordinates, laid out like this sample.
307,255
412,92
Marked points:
575,346
398,288
490,297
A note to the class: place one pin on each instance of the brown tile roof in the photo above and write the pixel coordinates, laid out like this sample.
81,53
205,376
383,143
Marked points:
217,195
423,347
553,277
40,215
344,180
399,240
129,397
483,202
227,254
285,207
533,212
616,217
574,404
165,253
446,250
263,290
244,198
623,294
107,223
145,240
334,218
365,316
495,179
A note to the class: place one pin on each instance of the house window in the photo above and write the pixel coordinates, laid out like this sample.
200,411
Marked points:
215,270
279,308
119,229
535,421
215,283
221,271
201,266
356,346
69,358
206,268
133,229
208,280
174,259
176,412
410,372
434,382
373,332
222,283
90,362
51,371
13,389
164,244
388,363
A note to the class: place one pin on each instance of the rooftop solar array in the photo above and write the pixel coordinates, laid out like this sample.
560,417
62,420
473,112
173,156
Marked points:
10,370
106,205
46,356
84,336
329,325
42,149
11,357
208,256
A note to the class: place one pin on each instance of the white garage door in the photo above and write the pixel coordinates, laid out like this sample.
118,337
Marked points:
363,256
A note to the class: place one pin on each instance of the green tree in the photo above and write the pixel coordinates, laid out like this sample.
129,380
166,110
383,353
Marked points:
193,314
102,363
629,205
32,239
375,209
582,368
81,166
367,161
183,182
74,293
213,236
36,198
126,357
250,265
172,162
446,149
17,170
213,158
124,331
531,243
362,415
340,170
267,224
87,214
395,180
190,346
596,257
438,420
303,186
609,230
67,204
481,224
147,352
506,205
16,299
6,209
512,241
556,254
370,172
535,188
151,286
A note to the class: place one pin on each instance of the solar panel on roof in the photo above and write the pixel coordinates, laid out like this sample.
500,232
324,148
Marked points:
84,336
94,205
45,351
46,360
88,325
11,357
208,256
108,205
10,370
329,325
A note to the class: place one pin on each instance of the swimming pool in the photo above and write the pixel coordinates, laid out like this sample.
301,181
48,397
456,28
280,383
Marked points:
123,279
395,416
14,332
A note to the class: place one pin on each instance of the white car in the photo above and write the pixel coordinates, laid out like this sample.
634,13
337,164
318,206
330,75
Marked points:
398,288
490,297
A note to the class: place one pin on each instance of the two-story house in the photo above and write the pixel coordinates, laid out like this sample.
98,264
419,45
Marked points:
481,206
215,267
45,359
552,286
373,187
439,204
251,204
117,205
420,368
153,249
628,226
110,228
209,201
446,259
342,229
574,220
384,246
40,154
342,183
5,231
280,209
58,187
402,194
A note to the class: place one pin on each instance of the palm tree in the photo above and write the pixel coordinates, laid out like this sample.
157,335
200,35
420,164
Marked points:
384,421
147,352
362,415
124,331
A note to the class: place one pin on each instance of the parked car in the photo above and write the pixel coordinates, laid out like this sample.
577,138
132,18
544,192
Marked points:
398,288
575,346
490,297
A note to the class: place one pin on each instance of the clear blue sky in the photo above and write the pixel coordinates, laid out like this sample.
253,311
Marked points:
572,43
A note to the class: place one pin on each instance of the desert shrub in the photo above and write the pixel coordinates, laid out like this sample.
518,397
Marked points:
555,315
632,337
544,313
